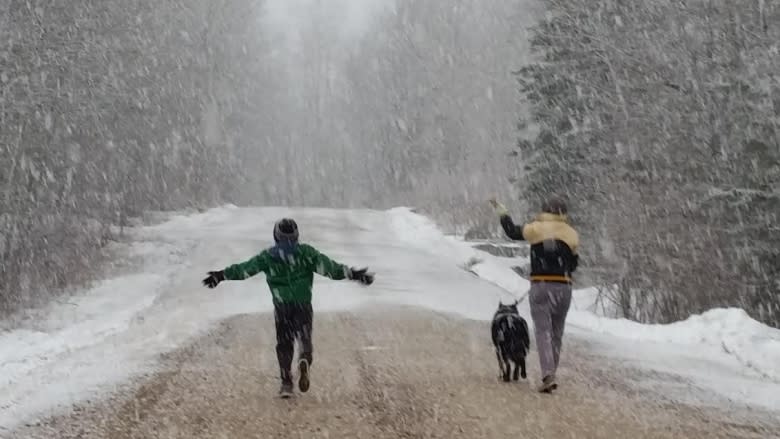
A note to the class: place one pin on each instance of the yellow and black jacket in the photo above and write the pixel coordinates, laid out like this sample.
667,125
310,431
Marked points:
553,243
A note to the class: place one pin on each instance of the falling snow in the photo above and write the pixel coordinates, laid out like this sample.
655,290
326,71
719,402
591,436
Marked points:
657,121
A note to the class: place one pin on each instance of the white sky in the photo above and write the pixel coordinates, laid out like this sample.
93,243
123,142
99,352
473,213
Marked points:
350,18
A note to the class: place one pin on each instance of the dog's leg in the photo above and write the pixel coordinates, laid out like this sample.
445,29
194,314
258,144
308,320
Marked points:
522,367
501,372
516,373
503,364
507,368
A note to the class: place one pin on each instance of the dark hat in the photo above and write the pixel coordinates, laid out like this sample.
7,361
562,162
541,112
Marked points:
286,229
555,206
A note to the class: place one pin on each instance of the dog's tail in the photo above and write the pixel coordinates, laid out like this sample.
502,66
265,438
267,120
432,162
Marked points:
526,340
497,332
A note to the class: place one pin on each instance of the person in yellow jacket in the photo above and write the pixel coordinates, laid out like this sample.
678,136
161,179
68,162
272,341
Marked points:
554,245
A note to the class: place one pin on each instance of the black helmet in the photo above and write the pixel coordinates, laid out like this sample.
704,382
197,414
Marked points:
286,229
555,206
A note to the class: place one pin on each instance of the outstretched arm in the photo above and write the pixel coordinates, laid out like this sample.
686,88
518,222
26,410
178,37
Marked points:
247,269
240,271
327,267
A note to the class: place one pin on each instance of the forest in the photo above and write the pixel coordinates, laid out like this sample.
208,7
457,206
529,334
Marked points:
657,121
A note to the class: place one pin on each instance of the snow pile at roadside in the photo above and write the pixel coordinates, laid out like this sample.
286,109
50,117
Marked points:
422,233
755,345
97,315
54,356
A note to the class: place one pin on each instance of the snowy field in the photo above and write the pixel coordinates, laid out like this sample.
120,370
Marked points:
95,341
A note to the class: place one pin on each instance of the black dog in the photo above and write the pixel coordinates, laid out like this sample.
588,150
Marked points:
510,337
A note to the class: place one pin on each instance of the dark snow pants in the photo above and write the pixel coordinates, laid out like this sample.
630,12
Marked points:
293,322
549,305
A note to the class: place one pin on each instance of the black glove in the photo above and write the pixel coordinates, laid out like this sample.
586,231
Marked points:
361,275
215,277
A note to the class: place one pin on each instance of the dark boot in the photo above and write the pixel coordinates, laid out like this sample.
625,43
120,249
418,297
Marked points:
303,380
548,384
286,390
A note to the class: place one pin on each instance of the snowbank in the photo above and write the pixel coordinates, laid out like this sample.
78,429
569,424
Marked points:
420,232
57,359
96,315
752,343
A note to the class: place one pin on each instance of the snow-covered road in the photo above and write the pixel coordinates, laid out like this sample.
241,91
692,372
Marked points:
116,330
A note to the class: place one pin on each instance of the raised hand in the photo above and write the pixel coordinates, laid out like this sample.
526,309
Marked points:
499,208
215,277
361,275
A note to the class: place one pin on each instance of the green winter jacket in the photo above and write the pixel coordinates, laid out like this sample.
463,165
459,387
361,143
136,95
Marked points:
290,280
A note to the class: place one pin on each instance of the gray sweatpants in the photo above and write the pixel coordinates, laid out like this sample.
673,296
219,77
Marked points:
549,305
